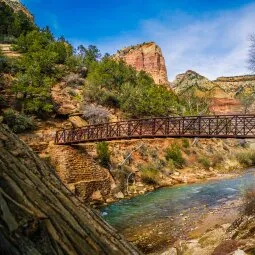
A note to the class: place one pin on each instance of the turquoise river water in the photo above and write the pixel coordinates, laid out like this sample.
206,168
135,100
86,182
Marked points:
169,203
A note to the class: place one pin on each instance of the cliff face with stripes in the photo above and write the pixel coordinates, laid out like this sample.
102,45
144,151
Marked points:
147,57
224,91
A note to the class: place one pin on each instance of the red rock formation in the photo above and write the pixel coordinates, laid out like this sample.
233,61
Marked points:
147,57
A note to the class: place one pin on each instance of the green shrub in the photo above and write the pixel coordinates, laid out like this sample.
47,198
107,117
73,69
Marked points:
205,162
18,123
150,175
13,23
174,153
185,143
118,85
103,154
246,158
217,159
3,102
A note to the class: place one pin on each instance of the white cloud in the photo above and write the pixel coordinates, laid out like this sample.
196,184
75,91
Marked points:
213,45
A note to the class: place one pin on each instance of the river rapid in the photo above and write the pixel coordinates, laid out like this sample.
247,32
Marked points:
155,220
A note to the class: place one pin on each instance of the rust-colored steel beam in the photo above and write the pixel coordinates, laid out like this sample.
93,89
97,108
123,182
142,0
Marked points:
220,126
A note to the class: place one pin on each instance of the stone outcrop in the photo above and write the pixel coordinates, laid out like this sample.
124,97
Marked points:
67,99
80,172
221,93
191,80
235,83
39,215
147,57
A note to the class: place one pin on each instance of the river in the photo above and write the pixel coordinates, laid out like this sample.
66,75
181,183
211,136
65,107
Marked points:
158,218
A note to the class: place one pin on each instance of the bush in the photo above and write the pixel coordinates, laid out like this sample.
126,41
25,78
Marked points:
95,114
18,123
246,158
205,162
13,23
3,102
185,143
103,154
7,39
217,159
174,153
73,79
150,175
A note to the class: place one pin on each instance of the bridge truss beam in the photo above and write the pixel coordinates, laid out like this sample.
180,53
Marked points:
222,126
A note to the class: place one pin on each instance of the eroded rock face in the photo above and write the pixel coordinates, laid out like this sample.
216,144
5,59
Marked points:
80,172
235,83
147,57
191,79
221,93
66,98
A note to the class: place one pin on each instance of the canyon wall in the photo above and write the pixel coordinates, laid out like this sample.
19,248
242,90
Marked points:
235,83
147,57
224,91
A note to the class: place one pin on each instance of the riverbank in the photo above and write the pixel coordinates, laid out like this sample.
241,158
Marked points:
179,178
157,221
141,166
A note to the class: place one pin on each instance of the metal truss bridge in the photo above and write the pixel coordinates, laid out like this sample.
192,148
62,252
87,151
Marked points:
219,126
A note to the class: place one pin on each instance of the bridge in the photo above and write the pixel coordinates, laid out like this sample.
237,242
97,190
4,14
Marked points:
220,126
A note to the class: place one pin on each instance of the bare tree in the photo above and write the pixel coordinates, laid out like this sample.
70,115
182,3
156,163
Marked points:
251,59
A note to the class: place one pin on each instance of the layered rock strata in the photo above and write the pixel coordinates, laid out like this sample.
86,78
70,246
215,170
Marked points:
147,57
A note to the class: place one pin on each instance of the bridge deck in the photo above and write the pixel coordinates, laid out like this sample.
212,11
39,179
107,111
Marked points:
222,126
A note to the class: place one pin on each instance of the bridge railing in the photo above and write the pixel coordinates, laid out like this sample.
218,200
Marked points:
221,126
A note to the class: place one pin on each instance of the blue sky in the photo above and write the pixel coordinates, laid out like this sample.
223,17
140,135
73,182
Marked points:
210,36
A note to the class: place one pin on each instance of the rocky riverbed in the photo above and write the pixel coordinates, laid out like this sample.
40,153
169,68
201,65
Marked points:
179,216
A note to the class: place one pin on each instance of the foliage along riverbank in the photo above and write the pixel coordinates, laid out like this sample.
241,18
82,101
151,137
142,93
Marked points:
154,163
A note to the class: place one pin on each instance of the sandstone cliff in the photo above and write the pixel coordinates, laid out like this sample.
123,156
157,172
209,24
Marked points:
235,83
222,92
191,79
147,57
16,5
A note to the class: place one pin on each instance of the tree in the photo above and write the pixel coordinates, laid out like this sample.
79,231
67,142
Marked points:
115,84
251,59
39,69
34,41
39,215
103,154
247,98
89,55
13,24
195,102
